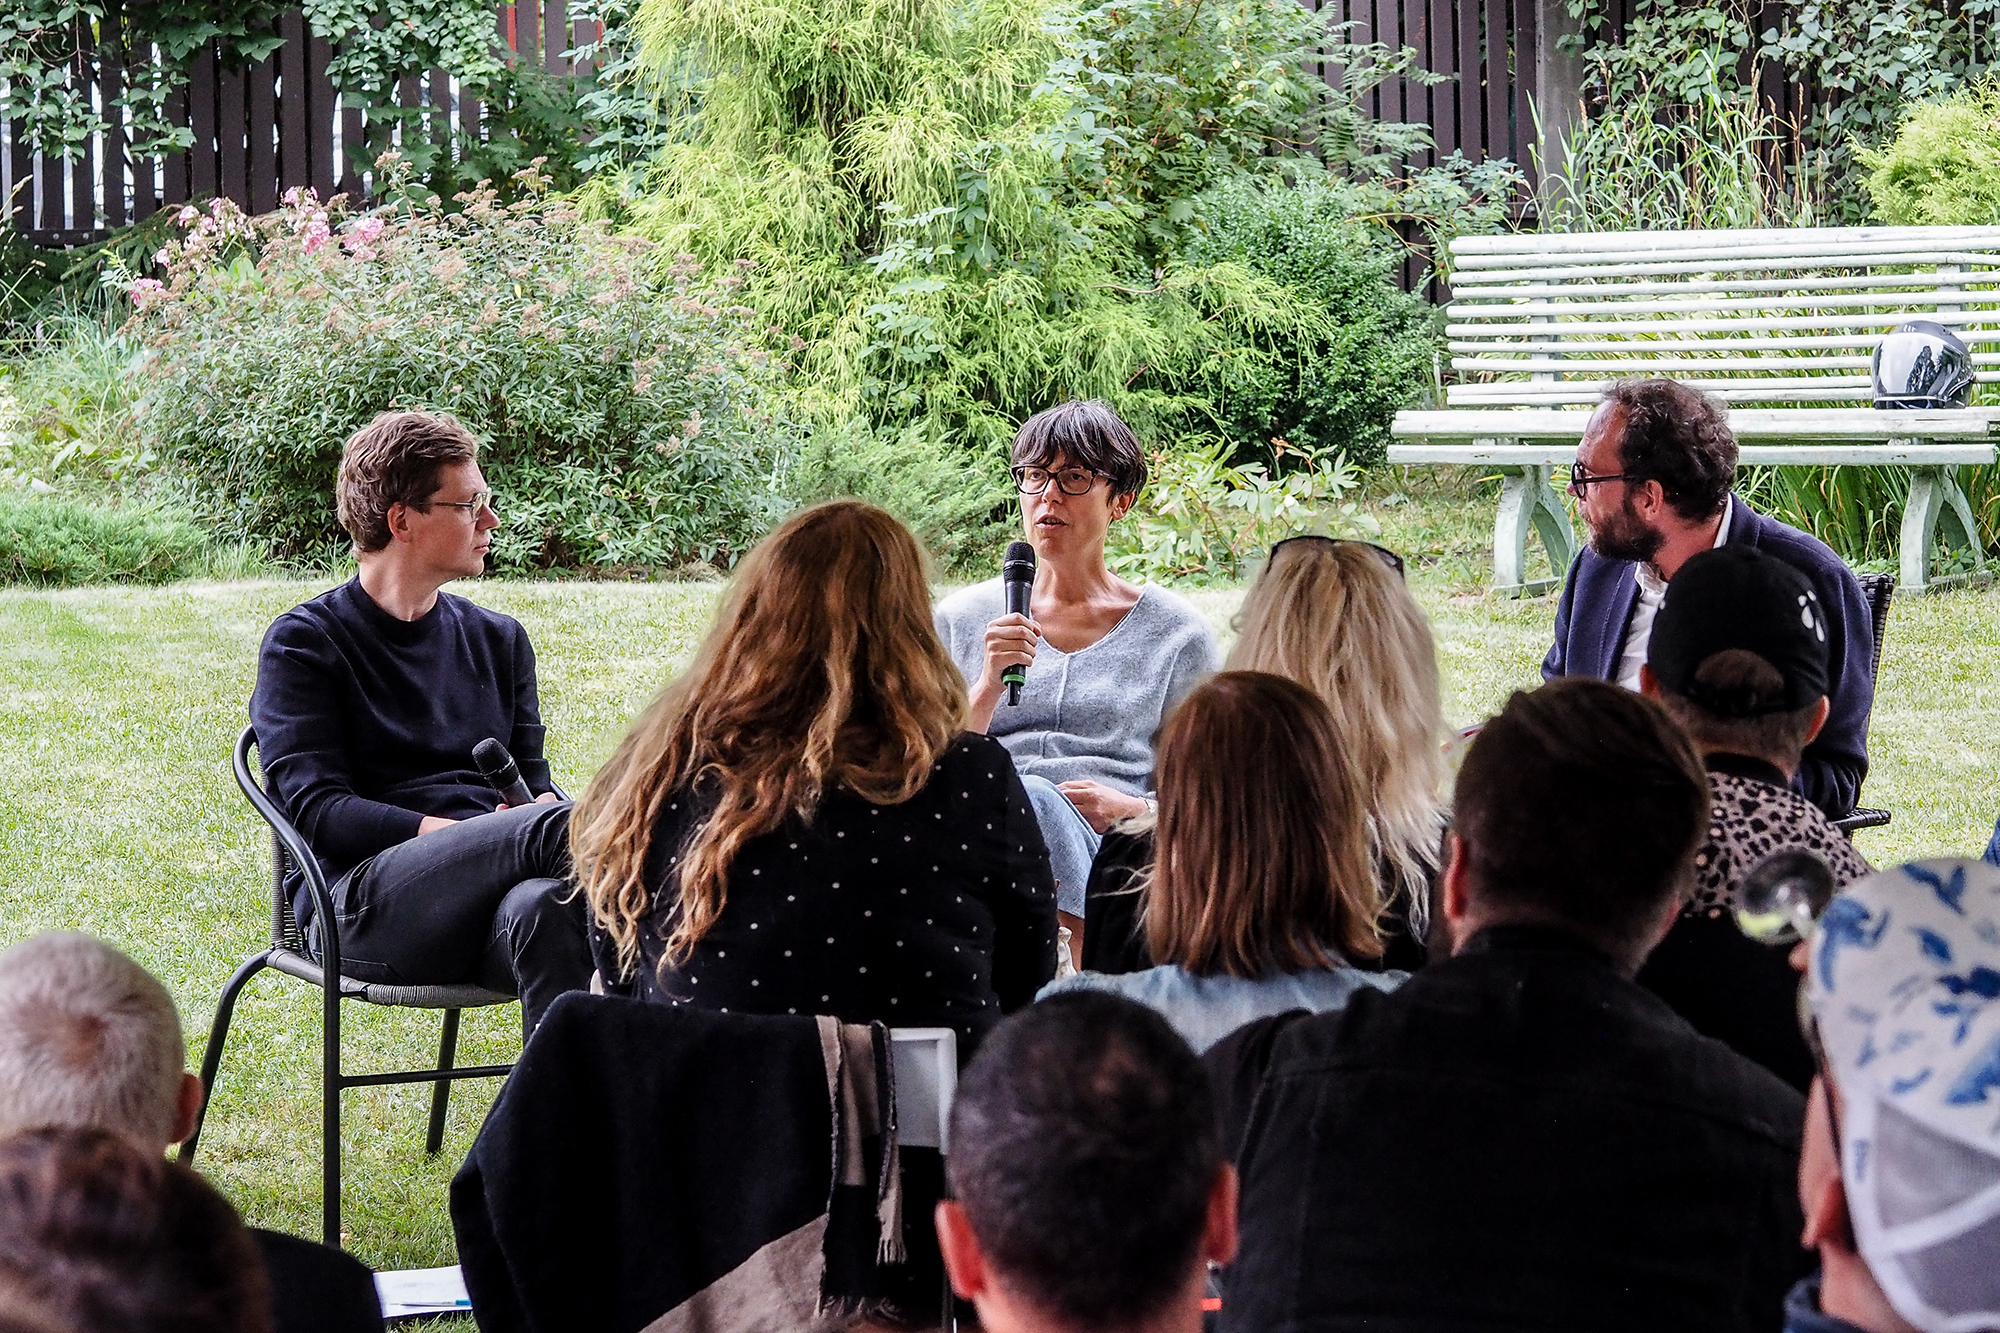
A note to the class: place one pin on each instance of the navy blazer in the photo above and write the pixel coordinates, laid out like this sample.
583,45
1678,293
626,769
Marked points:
1597,603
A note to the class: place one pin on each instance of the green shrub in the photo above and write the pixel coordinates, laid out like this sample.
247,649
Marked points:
627,422
962,211
1336,386
1942,168
69,414
53,541
959,506
1202,517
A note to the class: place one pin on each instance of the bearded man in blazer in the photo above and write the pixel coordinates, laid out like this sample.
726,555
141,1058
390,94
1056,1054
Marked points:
1652,478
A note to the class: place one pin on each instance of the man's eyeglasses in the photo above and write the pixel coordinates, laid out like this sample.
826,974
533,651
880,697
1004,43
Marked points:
1383,553
1580,479
1069,480
484,500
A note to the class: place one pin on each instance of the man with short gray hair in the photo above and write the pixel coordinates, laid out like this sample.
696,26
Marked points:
90,1038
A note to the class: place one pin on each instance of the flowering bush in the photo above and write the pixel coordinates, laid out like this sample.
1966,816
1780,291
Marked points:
627,421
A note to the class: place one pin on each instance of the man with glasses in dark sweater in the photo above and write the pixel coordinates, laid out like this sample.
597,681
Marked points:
369,701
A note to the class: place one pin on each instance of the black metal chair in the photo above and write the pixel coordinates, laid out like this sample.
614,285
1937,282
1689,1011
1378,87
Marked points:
289,953
1879,589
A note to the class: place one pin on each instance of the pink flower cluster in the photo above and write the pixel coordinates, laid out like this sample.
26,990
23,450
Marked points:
360,238
145,291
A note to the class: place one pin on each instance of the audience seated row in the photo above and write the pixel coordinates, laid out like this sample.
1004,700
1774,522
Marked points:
90,1041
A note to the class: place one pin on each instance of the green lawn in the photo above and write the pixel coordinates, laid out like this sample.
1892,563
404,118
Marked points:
118,815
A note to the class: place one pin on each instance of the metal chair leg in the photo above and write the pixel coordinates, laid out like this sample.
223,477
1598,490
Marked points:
331,1085
218,1033
441,1090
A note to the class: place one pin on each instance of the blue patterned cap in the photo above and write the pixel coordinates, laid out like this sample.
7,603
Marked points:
1904,975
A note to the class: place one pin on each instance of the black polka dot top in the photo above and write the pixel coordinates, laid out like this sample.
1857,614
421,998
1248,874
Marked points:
940,911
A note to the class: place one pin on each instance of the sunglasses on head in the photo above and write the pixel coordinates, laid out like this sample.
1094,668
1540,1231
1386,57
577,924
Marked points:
1383,553
1778,903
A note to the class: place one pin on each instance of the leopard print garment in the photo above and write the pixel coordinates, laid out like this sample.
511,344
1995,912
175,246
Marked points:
1749,821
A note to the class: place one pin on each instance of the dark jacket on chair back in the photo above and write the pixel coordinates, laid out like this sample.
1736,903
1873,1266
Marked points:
1519,1138
1597,603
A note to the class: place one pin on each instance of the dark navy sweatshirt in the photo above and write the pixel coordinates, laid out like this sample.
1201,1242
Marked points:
366,723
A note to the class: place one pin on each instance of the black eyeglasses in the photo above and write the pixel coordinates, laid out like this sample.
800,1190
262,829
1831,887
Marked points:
1580,478
1387,556
1069,480
486,500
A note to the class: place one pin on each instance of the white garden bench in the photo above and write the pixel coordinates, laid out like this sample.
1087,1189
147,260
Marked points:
1780,325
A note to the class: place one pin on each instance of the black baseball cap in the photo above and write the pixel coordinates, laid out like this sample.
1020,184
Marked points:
1736,597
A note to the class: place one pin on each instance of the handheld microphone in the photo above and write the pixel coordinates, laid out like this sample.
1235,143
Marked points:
501,772
1017,583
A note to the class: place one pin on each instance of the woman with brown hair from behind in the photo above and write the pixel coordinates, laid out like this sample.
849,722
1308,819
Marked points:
1262,895
1337,617
800,824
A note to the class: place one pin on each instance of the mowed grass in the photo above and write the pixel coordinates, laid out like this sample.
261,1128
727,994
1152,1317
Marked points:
118,816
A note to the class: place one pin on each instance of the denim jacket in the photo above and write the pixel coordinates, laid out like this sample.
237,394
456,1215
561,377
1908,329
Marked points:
1802,1312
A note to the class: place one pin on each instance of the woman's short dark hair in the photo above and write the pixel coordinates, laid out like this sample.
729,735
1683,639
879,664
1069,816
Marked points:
1086,434
1680,438
109,1238
1084,1148
1581,805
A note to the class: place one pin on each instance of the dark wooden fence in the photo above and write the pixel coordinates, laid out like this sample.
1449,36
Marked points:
1498,57
258,129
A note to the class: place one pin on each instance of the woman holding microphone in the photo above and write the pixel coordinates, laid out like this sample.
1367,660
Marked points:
1105,659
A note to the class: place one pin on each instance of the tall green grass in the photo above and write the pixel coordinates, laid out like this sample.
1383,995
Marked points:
54,541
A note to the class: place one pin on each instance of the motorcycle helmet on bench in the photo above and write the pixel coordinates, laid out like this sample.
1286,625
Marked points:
1922,364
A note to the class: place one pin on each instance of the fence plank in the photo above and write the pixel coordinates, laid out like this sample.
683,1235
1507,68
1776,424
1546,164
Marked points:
294,99
1499,123
176,166
323,105
261,134
202,174
555,19
20,179
231,130
145,171
110,85
1440,45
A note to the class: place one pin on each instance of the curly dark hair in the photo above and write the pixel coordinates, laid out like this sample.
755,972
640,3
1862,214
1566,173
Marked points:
1680,438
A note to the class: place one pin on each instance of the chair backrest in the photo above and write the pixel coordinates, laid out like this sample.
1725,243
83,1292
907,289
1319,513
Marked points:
1880,590
285,932
1777,317
925,1061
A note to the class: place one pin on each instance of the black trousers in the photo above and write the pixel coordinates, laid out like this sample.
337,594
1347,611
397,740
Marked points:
487,901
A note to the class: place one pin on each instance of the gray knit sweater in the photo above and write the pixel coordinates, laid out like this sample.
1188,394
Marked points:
1092,713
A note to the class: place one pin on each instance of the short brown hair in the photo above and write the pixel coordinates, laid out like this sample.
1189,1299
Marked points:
1680,438
1779,737
1089,434
395,459
107,1237
1262,860
1581,806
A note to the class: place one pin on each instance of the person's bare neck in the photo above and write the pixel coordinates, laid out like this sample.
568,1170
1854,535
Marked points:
403,592
1079,581
1847,1290
1685,540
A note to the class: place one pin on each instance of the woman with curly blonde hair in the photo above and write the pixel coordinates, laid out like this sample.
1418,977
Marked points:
800,823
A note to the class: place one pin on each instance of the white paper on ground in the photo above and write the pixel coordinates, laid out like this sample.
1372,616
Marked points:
410,1291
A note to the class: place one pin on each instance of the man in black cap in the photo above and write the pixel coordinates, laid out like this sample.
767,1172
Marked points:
1738,655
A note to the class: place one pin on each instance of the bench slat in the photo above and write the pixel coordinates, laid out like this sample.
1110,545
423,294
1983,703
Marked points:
1594,242
1976,264
1584,346
1661,364
1561,453
1791,389
1969,322
1839,423
1470,290
1986,301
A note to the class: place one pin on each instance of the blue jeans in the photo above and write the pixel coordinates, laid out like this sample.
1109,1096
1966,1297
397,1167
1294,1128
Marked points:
1071,841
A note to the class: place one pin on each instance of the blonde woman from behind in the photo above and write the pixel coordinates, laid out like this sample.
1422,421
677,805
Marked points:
801,824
